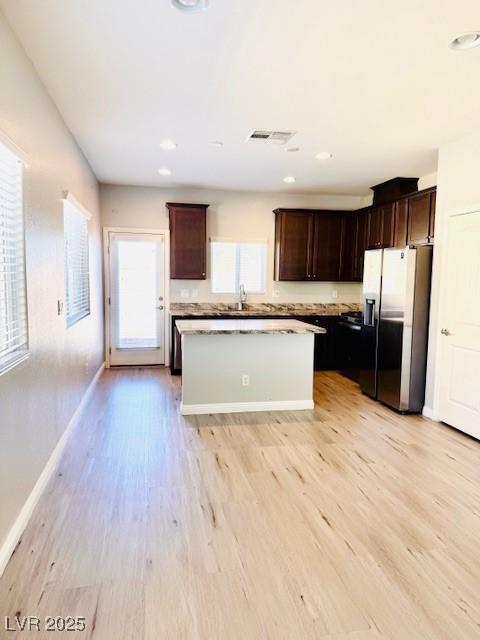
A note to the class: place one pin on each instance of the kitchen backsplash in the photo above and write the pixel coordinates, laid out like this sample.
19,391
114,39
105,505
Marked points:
277,292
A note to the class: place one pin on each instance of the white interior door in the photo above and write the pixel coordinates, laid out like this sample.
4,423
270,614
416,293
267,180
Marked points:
137,314
460,326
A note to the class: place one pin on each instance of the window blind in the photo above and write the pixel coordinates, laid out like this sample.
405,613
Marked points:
13,304
236,263
77,275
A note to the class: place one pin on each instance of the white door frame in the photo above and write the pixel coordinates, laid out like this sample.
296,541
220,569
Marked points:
106,270
439,340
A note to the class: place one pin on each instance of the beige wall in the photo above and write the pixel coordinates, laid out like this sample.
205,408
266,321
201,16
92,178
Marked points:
458,189
39,396
238,215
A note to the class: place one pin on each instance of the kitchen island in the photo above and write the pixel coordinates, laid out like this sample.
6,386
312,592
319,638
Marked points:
246,365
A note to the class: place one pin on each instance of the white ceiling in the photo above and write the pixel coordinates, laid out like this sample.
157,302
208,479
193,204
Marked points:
372,81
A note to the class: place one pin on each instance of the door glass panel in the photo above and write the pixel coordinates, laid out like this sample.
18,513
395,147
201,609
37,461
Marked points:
137,295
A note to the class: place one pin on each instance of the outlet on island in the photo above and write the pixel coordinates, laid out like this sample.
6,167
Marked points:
245,380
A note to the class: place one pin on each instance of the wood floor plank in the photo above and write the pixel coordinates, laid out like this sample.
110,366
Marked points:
346,522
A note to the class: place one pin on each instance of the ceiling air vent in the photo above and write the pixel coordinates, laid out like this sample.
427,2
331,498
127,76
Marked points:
270,137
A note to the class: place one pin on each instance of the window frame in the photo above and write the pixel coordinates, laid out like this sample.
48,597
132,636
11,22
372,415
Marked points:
70,202
259,241
22,352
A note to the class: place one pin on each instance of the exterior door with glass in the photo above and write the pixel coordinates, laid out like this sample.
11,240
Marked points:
136,302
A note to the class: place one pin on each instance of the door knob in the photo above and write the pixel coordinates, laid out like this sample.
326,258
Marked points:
160,307
445,332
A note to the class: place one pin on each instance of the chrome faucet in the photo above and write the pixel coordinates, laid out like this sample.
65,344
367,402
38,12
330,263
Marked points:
242,297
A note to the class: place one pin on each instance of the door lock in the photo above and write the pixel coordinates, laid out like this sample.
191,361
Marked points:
445,332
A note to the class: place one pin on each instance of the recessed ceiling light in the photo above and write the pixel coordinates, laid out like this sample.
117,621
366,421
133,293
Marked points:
466,40
289,179
217,143
164,171
168,145
323,155
190,5
292,149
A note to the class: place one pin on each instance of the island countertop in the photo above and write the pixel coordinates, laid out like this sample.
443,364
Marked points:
237,326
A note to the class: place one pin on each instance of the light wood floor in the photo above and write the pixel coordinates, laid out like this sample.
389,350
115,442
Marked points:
348,522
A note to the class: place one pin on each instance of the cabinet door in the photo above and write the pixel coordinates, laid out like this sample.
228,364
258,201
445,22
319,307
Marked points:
401,219
375,230
324,354
388,225
293,239
327,246
188,241
349,247
433,204
419,218
361,246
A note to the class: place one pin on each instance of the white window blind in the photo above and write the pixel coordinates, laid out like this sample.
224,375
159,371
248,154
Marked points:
13,303
77,276
236,263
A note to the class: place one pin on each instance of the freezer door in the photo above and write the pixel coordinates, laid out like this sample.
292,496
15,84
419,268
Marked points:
372,282
395,327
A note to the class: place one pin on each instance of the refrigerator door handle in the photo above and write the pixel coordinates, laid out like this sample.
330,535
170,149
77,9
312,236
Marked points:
370,312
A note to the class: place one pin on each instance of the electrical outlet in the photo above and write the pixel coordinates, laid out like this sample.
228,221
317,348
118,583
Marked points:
245,380
334,293
276,293
184,293
194,293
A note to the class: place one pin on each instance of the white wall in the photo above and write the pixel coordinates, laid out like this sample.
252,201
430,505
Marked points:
458,189
39,396
238,215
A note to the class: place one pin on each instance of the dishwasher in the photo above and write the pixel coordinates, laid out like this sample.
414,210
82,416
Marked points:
349,328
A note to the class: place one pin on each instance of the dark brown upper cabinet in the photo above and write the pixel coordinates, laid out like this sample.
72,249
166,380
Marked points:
308,244
374,228
388,228
421,218
361,245
401,223
433,206
188,241
327,246
294,232
381,226
349,247
393,189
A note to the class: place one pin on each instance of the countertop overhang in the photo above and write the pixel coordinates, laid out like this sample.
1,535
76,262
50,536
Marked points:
237,326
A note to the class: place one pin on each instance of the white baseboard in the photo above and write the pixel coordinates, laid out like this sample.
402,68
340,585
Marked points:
243,407
16,532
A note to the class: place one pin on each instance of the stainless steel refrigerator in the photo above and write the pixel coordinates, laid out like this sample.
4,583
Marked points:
394,337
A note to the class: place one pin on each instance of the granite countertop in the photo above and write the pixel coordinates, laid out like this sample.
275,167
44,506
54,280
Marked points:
261,309
219,327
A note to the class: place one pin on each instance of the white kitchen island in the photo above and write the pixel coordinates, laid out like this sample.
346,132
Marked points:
246,365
